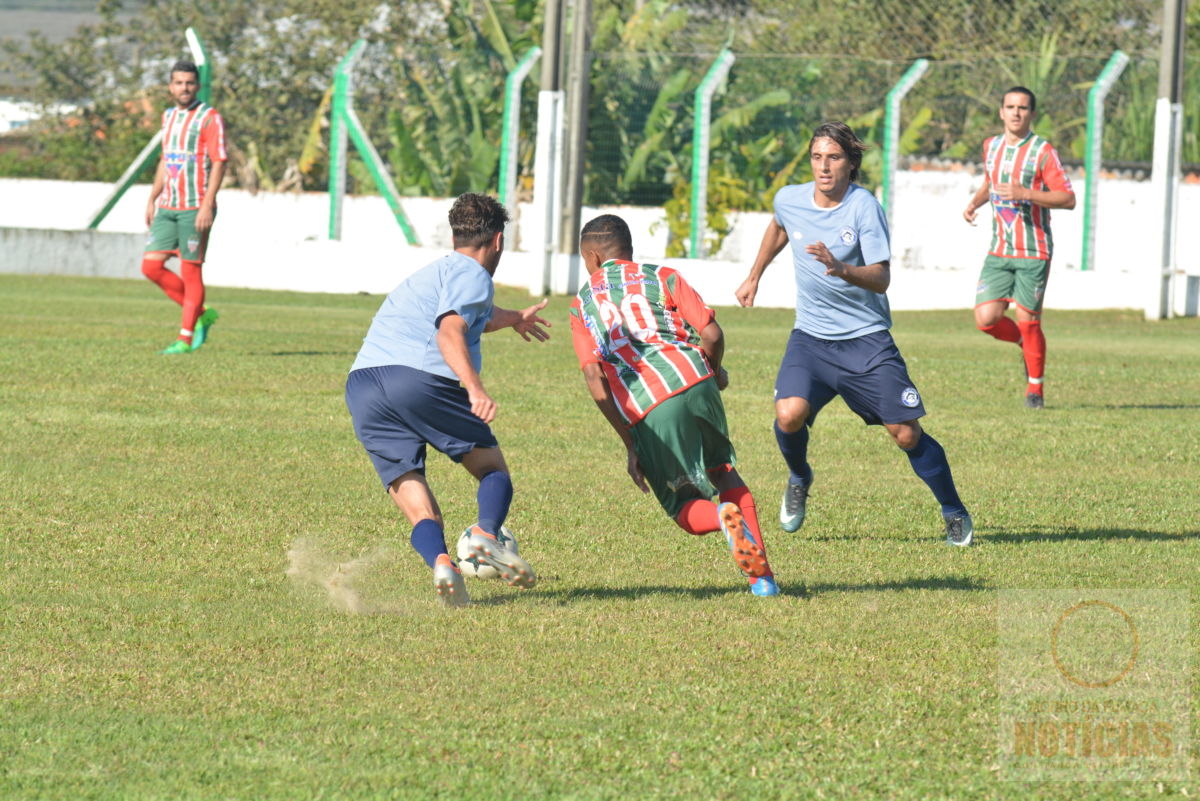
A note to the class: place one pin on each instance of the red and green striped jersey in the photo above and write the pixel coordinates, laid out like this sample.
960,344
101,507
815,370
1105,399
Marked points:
641,323
193,138
1022,230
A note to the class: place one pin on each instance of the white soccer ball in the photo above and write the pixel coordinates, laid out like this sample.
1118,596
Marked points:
471,565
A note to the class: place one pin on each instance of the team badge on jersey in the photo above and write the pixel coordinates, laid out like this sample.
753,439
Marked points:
910,397
848,236
797,235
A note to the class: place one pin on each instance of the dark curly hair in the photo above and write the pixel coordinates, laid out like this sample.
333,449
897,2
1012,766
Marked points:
475,219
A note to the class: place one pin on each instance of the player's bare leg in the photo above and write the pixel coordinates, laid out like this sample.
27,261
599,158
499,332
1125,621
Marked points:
415,500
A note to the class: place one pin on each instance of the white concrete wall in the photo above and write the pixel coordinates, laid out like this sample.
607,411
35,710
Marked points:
278,241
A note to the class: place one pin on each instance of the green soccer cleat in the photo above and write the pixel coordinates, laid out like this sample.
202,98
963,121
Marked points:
178,346
448,581
203,323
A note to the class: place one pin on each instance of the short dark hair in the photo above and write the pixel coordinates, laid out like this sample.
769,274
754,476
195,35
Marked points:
1022,90
611,235
850,144
185,66
475,219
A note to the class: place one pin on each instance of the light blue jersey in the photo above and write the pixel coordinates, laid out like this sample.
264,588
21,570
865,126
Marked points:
404,330
856,232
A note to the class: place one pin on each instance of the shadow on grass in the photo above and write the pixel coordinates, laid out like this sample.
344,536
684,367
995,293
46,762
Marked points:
312,353
794,589
1010,536
1165,406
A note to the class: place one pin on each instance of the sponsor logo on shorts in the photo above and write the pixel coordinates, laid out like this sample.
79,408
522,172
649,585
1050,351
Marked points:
193,243
980,287
848,236
910,397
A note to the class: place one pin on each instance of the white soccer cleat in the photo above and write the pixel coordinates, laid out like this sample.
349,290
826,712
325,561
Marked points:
511,566
449,583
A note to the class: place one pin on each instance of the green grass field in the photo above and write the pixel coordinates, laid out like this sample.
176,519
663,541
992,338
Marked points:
153,644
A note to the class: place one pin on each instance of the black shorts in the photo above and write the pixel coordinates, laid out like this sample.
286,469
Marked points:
398,410
868,372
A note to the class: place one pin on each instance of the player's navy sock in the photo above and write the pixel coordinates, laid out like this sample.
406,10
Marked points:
429,540
494,496
794,448
929,461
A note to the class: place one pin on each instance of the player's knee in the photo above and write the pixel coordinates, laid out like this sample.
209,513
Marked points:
791,417
152,268
906,436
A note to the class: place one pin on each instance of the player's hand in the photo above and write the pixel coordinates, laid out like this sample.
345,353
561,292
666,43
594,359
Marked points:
969,214
746,292
635,470
150,212
821,253
722,376
482,405
204,220
1013,193
530,324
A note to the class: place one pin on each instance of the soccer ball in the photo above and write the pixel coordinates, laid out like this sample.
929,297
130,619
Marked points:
472,565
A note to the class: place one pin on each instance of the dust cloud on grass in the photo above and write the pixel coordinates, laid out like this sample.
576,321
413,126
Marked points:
344,583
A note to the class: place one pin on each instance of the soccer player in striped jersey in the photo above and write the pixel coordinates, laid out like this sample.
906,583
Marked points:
651,354
840,344
183,203
1023,180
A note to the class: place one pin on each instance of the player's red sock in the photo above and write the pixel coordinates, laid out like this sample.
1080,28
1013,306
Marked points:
169,282
699,517
1033,345
744,499
193,298
1004,330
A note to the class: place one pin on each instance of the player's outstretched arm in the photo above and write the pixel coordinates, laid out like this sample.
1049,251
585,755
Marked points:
773,241
452,342
525,322
597,385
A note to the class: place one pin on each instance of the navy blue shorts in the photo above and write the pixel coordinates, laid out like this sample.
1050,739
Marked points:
868,372
398,410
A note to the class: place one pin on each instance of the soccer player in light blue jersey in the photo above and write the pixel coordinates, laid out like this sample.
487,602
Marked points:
841,344
416,382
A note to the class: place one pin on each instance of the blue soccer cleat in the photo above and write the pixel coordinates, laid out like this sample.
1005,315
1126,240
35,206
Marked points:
764,586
